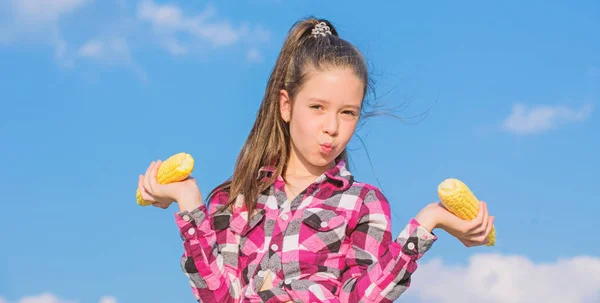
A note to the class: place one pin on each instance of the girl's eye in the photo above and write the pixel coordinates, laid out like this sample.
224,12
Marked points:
316,106
349,112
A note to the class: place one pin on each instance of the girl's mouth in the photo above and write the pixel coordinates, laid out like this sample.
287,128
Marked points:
326,148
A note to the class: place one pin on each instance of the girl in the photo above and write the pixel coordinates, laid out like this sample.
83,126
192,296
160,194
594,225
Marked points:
293,225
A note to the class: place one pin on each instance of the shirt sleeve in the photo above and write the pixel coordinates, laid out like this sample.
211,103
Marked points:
210,256
379,268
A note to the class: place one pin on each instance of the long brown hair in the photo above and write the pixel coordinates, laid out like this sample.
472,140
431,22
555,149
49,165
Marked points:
268,143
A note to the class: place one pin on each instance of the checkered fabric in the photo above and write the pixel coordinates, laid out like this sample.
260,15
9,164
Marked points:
331,243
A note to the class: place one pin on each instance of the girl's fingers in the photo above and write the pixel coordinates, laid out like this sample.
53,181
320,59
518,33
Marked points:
147,177
472,243
159,205
482,236
468,243
489,227
154,173
156,188
484,224
145,195
142,187
477,222
141,182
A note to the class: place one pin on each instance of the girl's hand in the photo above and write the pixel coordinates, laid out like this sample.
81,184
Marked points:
164,194
470,233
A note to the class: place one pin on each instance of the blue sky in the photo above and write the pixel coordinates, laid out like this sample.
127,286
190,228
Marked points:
93,91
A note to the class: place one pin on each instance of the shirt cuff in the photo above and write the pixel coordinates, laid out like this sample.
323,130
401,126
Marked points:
191,222
415,239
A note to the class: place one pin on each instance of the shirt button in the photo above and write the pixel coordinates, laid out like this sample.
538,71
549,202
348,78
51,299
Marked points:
324,224
191,231
186,218
261,273
274,247
284,217
288,281
411,246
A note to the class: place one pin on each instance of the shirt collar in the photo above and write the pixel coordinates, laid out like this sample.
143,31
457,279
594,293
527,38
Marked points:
338,175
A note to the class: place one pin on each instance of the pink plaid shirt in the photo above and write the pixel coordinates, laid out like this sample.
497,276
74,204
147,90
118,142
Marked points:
332,243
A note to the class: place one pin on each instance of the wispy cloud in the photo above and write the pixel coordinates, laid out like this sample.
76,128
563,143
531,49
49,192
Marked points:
108,299
111,50
494,278
181,33
254,55
541,118
51,298
38,20
40,12
175,29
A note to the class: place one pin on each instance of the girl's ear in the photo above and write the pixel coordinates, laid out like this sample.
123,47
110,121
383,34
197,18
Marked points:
285,105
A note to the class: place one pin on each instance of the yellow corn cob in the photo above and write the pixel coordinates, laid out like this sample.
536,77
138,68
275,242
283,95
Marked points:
459,200
176,168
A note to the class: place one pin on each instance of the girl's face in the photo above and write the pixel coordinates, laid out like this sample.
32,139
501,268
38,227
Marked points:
323,116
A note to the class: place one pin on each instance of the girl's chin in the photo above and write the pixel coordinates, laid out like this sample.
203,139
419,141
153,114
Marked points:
322,160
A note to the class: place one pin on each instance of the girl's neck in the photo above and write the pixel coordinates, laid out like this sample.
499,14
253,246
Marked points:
300,168
299,174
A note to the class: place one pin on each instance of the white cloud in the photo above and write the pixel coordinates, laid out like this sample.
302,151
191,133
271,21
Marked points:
38,13
105,49
51,298
254,55
541,118
43,298
107,299
175,47
179,32
494,278
38,20
111,50
176,30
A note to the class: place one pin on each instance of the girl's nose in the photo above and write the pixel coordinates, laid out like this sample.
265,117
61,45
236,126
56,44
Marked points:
330,125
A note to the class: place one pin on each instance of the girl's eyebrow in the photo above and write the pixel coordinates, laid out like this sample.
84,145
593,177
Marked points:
356,107
318,99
